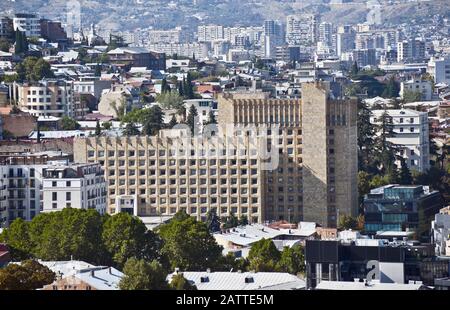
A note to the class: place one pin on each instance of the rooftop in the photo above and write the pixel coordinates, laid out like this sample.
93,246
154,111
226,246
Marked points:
243,280
373,286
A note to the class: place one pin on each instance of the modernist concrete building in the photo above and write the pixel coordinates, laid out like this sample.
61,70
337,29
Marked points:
28,23
295,159
315,180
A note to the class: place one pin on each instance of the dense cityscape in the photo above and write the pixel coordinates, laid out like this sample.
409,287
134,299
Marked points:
225,145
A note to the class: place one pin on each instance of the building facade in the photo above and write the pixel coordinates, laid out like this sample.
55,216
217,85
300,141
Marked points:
410,51
400,208
28,23
439,69
47,98
411,136
75,186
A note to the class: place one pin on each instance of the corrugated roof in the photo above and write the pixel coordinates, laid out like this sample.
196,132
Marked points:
237,281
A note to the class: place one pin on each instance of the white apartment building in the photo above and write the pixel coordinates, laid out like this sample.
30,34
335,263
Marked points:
440,229
26,189
209,33
47,98
203,106
80,186
345,39
20,192
301,29
177,35
411,135
199,50
91,86
417,85
326,33
28,23
410,50
439,69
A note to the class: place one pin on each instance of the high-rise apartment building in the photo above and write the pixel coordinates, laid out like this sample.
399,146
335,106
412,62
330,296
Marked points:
28,23
302,29
326,33
410,50
6,27
345,39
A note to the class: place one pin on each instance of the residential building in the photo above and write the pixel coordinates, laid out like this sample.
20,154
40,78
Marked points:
345,39
137,57
177,35
439,69
326,33
78,186
198,50
315,133
47,98
6,27
78,275
274,30
401,208
411,136
203,107
91,86
365,57
241,280
28,23
410,51
118,97
209,33
425,88
440,229
53,31
302,29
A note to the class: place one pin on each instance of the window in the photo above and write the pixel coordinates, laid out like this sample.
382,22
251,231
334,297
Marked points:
68,184
68,196
54,196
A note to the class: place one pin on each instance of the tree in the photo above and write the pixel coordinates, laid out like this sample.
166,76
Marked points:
18,239
347,222
107,125
21,43
152,120
68,123
142,275
5,45
180,283
385,150
70,233
165,88
366,133
354,70
292,260
180,89
392,89
405,177
392,174
98,70
125,236
98,129
243,220
231,221
411,96
263,256
173,122
188,88
191,119
211,118
170,100
212,221
29,275
34,69
188,244
131,130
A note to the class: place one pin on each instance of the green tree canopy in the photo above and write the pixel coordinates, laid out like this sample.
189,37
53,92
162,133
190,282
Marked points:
191,119
188,244
180,283
170,100
212,221
142,275
68,123
34,69
292,260
29,275
263,256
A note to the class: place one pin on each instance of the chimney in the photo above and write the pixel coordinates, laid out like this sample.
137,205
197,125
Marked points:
110,270
92,273
208,270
